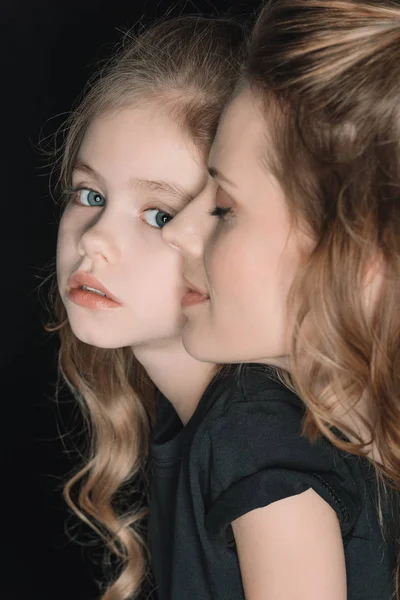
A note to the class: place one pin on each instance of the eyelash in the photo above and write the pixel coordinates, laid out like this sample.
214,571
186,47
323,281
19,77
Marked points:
160,210
220,212
71,195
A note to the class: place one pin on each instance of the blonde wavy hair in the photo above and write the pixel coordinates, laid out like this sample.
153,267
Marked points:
328,72
189,66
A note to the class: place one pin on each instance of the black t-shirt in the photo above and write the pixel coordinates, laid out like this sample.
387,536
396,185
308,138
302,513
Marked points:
241,450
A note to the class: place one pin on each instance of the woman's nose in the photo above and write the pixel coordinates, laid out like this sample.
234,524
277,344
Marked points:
188,231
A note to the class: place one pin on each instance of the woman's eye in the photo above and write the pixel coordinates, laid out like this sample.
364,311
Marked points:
220,212
87,197
156,217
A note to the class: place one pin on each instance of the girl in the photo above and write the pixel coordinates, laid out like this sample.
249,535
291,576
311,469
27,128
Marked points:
301,273
134,155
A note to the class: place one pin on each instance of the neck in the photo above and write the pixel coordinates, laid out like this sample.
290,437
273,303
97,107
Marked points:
179,377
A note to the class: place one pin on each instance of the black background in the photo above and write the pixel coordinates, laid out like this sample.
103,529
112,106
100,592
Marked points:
48,48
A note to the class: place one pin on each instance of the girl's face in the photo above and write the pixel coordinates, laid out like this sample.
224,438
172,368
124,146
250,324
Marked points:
135,170
246,266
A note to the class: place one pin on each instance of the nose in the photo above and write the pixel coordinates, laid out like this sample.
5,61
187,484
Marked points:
99,242
189,230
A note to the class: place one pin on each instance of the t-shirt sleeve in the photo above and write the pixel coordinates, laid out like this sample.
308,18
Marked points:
258,456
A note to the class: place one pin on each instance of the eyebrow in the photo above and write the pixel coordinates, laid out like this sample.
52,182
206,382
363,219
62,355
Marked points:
215,174
162,188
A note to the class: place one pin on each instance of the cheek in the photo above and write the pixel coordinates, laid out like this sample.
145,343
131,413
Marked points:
73,224
251,268
66,243
62,243
231,264
219,260
152,266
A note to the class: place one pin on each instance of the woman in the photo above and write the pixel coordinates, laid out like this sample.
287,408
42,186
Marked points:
301,273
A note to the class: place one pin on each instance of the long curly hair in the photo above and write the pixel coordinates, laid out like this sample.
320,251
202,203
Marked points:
328,74
188,65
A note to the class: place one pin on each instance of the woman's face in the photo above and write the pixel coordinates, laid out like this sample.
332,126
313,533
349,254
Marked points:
246,265
135,170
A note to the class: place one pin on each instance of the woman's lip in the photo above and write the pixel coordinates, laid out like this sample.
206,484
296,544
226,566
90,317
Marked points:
80,278
192,297
192,288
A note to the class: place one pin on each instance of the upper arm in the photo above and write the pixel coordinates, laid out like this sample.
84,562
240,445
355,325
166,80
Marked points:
291,550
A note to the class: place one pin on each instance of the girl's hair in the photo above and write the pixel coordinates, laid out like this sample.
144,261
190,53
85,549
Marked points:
187,66
328,75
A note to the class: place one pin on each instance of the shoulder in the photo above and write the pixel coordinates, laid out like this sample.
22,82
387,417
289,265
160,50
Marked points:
237,387
253,406
300,535
259,454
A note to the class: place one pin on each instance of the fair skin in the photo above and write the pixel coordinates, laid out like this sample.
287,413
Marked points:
135,170
252,255
291,549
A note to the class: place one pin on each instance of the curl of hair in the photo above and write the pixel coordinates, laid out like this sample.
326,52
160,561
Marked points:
328,75
187,66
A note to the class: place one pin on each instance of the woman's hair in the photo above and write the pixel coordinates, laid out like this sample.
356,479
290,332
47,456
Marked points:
328,75
187,66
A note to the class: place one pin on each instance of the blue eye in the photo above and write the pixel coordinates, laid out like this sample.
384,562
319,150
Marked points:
156,217
87,197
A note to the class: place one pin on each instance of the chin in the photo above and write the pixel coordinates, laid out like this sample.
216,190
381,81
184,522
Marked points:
98,342
209,349
96,337
197,347
100,339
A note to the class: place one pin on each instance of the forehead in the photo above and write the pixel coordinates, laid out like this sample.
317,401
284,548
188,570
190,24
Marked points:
141,142
241,132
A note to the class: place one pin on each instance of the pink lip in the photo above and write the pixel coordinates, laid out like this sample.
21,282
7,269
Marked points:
87,298
193,296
